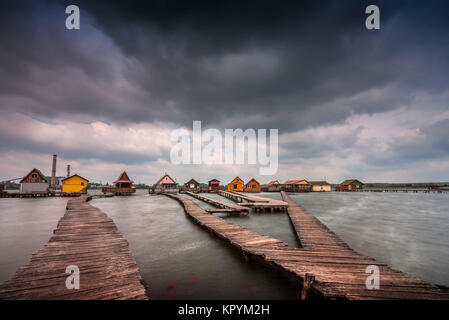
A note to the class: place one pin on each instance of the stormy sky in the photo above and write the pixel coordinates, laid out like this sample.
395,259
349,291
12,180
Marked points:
348,102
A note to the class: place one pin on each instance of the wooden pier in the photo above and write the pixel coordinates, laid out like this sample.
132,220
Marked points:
226,207
255,202
325,265
405,190
40,194
87,238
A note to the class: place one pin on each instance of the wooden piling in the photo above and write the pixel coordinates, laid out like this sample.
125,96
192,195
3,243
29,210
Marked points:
309,278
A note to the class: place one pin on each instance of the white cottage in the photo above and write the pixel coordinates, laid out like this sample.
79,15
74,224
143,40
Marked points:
34,182
166,184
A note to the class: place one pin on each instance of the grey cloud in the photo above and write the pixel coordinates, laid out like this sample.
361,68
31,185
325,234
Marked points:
14,142
211,60
431,143
289,65
313,145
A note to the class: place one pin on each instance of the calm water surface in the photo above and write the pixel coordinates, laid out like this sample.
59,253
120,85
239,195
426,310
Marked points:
25,226
180,260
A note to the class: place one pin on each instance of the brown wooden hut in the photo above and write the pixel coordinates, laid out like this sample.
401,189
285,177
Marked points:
192,184
214,185
252,186
122,186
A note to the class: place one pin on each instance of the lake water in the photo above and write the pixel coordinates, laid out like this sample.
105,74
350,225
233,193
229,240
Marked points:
408,231
25,226
180,260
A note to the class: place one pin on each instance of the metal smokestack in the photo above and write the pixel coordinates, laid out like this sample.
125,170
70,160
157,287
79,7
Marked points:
68,170
53,171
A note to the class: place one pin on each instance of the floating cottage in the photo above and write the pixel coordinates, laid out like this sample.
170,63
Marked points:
214,185
320,186
274,186
296,186
236,185
123,186
34,183
74,184
252,186
165,185
192,184
350,185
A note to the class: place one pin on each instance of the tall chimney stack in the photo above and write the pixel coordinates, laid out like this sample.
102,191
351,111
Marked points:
68,170
53,172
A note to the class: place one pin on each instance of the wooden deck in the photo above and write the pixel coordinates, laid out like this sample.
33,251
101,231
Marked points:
325,265
88,238
40,194
228,207
237,235
256,202
239,197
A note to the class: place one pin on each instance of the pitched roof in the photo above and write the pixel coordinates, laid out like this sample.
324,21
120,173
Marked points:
294,181
273,182
240,180
192,181
34,170
123,178
167,180
75,175
253,180
318,183
350,181
214,180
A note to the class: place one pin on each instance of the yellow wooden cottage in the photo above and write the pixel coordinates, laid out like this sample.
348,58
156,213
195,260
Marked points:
74,184
296,186
236,185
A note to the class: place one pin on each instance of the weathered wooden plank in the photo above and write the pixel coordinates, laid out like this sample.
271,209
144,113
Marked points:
88,238
335,270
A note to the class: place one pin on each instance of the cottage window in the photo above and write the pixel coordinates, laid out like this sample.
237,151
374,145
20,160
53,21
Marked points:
235,186
34,176
82,183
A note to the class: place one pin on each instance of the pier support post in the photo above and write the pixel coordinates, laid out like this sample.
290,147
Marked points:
307,286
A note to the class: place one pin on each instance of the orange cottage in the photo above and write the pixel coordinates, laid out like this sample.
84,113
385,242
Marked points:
236,185
252,186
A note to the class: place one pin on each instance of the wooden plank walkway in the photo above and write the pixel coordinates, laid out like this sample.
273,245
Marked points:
237,196
256,202
325,265
88,238
236,235
231,207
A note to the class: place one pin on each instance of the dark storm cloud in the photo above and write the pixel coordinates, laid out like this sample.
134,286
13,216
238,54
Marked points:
284,65
49,72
